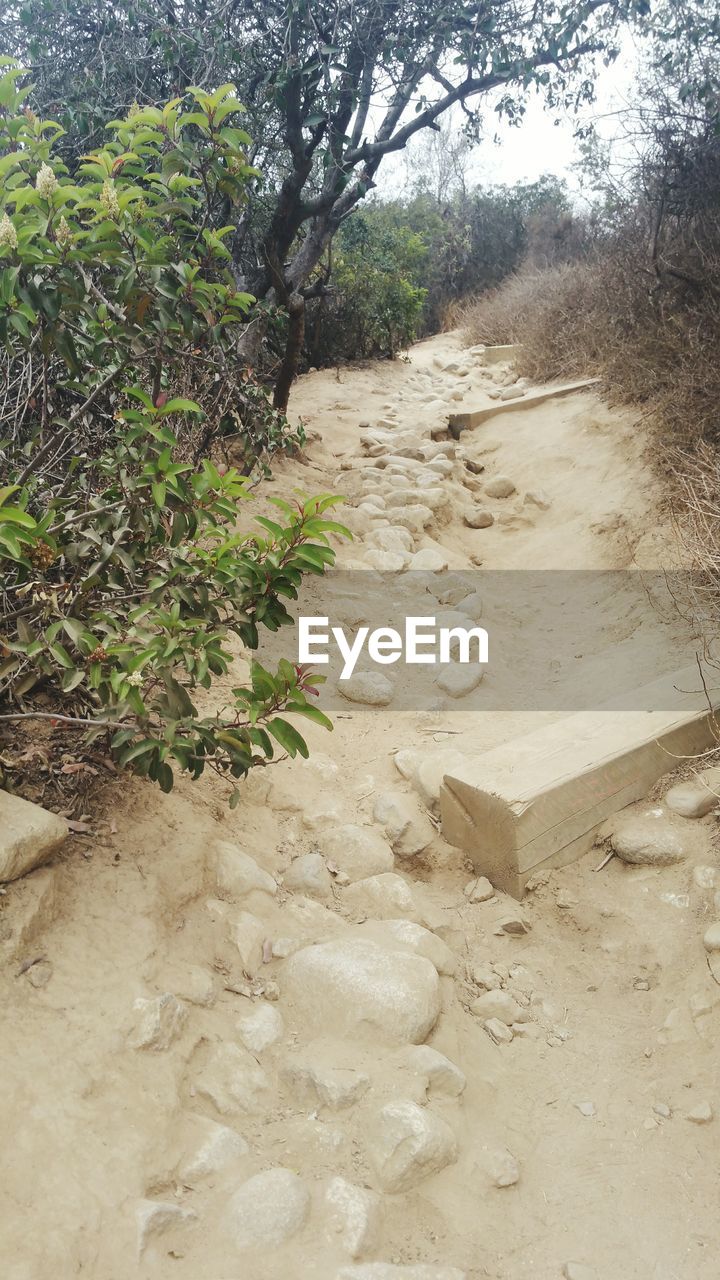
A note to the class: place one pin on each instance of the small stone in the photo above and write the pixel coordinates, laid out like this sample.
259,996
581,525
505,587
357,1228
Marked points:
248,934
537,498
29,835
500,487
407,1144
441,1075
370,688
354,1216
384,562
459,679
268,1209
238,874
702,1113
503,1168
486,978
691,800
480,519
479,890
701,1004
514,924
428,560
316,1085
648,839
157,1022
578,1271
498,1031
705,877
383,897
407,935
662,1109
261,1028
498,1005
155,1218
38,975
218,1148
233,1081
512,393
359,852
711,937
407,831
564,900
308,874
586,1108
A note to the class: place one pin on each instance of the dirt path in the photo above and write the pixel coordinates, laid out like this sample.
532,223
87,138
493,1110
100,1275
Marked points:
218,1067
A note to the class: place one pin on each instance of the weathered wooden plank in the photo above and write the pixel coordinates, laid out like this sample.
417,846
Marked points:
458,422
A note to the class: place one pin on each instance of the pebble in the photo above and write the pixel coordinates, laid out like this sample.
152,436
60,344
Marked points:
485,978
237,874
705,877
711,937
428,560
701,1113
407,935
662,1109
691,800
480,519
503,1168
514,924
155,1217
309,874
500,487
384,562
261,1028
408,1143
408,832
354,1216
578,1271
218,1148
441,1075
358,851
370,688
29,835
479,890
512,393
248,934
268,1209
498,1006
157,1022
537,498
314,1084
233,1081
649,838
356,985
586,1108
383,897
459,679
498,1031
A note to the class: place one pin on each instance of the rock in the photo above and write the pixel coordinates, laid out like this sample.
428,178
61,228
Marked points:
385,562
308,874
385,897
237,874
268,1209
702,1113
498,1005
29,835
515,924
39,974
233,1081
407,831
394,538
313,1084
388,1271
429,774
371,688
407,1144
156,1217
649,838
537,498
512,393
428,561
415,517
486,978
711,937
578,1271
406,935
30,908
662,1109
705,877
157,1022
354,1216
459,679
432,496
472,606
190,983
500,487
502,1167
479,890
248,934
358,851
441,1075
261,1028
498,1031
356,985
691,800
480,519
586,1109
218,1148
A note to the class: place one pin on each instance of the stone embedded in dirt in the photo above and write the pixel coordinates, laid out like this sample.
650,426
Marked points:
662,1109
355,985
512,393
578,1271
268,1209
407,1144
441,1075
498,1005
415,517
537,498
479,519
484,977
261,1028
515,924
691,800
406,935
711,937
308,874
218,1148
431,496
237,874
479,890
383,897
429,773
502,1168
233,1081
429,560
408,832
248,934
393,538
29,835
649,838
500,487
313,1084
156,1217
354,1216
586,1109
359,852
386,561
189,982
389,1271
705,877
33,909
157,1022
459,679
701,1113
370,688
498,1031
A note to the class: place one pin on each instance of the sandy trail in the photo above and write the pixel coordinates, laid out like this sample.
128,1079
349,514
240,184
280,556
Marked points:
100,1175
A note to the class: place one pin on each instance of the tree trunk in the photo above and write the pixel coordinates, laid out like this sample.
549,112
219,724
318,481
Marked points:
293,349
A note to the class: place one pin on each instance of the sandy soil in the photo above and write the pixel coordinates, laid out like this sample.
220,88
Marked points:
587,1106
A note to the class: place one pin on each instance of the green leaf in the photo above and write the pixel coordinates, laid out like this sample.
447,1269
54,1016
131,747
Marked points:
288,737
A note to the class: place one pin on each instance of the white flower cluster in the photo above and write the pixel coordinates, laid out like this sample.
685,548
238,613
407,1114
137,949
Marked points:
46,184
8,234
109,200
63,235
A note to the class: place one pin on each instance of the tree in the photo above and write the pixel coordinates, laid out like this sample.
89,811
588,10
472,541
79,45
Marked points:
331,88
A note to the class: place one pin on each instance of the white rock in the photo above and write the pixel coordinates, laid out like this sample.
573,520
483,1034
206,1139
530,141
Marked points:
354,985
537,498
190,983
441,1075
512,393
479,519
415,517
389,1271
586,1109
313,1084
308,874
432,496
407,831
385,562
233,1081
502,1167
354,1216
407,935
385,897
459,679
268,1209
484,977
29,835
218,1148
498,1004
498,1031
428,561
371,688
691,800
479,890
702,1113
156,1217
500,487
705,877
407,1144
649,838
358,851
237,874
395,538
157,1022
578,1271
261,1028
430,771
248,933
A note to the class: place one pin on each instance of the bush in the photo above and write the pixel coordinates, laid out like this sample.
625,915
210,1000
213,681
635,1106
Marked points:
122,576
